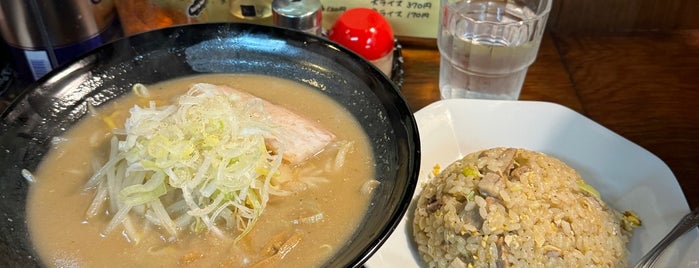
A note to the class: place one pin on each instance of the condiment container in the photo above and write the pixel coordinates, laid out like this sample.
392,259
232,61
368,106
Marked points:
252,10
368,33
303,15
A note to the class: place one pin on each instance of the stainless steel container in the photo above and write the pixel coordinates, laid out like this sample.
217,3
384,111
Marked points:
44,34
303,15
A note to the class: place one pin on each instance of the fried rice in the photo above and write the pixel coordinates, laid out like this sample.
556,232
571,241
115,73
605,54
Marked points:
507,207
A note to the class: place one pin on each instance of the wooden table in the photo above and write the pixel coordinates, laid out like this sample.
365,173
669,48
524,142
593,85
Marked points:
643,86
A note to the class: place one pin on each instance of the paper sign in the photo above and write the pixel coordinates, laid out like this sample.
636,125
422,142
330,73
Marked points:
407,18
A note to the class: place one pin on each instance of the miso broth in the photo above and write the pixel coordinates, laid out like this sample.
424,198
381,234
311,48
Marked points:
323,214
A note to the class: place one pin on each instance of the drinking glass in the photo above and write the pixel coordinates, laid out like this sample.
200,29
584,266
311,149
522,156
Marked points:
486,47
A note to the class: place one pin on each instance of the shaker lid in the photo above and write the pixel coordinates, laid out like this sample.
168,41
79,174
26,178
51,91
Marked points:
297,14
364,31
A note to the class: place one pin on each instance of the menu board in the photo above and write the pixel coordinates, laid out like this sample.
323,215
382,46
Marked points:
407,18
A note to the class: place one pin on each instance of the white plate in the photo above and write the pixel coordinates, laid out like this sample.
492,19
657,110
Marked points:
627,176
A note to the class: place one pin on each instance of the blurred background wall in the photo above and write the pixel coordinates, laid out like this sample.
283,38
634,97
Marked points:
604,16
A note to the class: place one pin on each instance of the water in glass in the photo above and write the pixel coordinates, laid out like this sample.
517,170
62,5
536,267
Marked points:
486,48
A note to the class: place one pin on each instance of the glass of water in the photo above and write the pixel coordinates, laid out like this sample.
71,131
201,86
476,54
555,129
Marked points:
486,47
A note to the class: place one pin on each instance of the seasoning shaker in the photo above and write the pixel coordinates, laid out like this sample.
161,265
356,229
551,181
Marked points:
303,15
366,32
252,10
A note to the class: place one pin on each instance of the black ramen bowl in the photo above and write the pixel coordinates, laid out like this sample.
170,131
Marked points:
60,99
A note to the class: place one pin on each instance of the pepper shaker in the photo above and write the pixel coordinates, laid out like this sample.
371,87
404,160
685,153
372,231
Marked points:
303,15
252,10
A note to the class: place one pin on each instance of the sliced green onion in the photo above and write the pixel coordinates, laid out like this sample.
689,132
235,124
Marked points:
207,151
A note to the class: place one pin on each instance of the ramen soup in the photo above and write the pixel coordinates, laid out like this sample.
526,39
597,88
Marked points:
158,190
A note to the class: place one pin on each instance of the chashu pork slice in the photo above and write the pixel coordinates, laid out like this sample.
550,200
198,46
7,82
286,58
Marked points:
303,138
